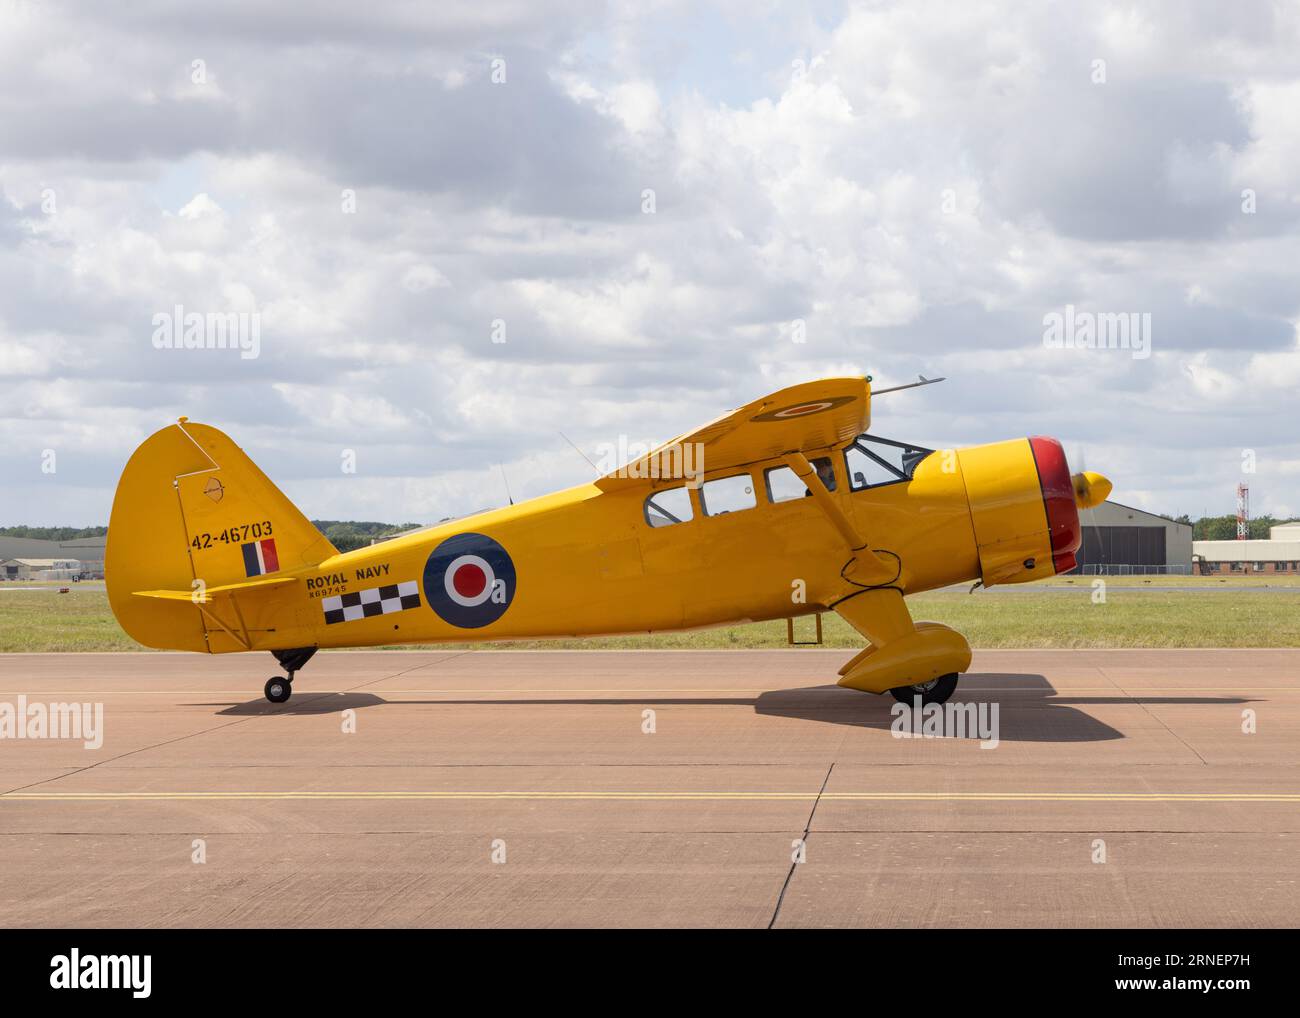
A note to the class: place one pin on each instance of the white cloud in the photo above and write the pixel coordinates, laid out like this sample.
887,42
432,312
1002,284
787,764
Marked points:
920,189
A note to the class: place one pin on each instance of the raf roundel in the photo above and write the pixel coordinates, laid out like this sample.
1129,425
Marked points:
787,413
469,581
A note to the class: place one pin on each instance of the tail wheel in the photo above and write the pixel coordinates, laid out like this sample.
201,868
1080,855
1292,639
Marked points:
935,691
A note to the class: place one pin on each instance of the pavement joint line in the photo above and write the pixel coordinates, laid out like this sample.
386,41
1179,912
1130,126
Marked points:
794,863
121,756
312,697
666,795
1147,710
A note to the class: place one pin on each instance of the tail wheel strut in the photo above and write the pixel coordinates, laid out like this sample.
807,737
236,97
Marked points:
279,687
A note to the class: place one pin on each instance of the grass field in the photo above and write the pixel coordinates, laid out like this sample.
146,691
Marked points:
1243,612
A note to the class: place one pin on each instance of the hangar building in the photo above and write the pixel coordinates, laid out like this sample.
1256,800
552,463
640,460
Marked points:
1119,540
39,569
87,551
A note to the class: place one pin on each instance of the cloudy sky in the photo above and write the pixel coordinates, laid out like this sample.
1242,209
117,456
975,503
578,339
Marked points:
650,202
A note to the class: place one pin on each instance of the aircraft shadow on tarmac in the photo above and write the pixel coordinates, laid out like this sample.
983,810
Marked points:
308,702
1029,708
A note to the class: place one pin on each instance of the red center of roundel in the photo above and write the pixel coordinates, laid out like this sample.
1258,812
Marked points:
469,580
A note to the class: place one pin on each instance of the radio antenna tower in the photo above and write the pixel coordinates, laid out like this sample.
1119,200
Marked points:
1243,512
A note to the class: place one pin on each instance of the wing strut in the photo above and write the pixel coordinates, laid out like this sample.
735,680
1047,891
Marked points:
866,566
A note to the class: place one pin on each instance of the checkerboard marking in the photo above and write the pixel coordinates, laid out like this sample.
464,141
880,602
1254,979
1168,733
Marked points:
362,604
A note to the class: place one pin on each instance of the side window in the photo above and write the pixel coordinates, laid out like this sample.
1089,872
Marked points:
783,484
664,508
826,471
728,495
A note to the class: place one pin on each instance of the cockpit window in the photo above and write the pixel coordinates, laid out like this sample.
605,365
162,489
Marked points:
873,461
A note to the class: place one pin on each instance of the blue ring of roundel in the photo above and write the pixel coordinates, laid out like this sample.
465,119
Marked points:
435,588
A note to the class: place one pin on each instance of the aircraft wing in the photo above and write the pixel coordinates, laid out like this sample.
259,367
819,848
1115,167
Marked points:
804,418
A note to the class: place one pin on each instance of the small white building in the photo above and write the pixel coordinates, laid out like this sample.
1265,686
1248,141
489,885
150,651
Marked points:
1279,554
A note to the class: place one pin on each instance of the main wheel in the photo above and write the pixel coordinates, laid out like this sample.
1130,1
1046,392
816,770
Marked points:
935,691
277,689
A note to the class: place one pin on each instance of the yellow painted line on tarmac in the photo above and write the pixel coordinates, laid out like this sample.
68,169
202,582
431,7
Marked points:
665,795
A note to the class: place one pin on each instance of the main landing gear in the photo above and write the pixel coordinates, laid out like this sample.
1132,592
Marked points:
935,691
279,687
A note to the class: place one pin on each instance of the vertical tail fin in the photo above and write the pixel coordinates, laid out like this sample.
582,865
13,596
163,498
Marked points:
191,506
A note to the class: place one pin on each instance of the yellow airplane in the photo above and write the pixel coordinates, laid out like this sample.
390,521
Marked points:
786,507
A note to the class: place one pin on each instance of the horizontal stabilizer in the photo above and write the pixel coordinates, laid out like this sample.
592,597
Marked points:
209,594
